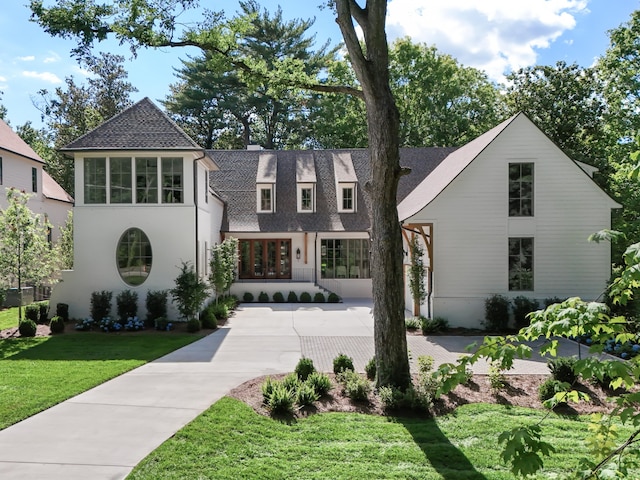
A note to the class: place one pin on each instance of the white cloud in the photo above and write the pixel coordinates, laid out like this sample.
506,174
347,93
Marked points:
29,58
493,35
52,58
45,76
3,79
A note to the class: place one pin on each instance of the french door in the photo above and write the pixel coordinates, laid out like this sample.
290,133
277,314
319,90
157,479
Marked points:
265,259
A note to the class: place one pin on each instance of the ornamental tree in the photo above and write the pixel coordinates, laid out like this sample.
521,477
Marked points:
189,293
224,259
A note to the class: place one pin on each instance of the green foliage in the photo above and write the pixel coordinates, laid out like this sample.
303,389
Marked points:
433,325
333,298
223,263
354,386
305,297
27,328
394,399
43,311
193,325
412,323
278,297
3,296
550,387
62,310
416,271
127,305
100,304
496,313
304,368
219,310
189,293
320,382
291,381
318,297
162,324
292,297
497,380
267,389
306,395
65,244
522,306
32,312
281,400
523,449
247,297
370,369
208,318
563,369
341,363
57,325
156,303
263,297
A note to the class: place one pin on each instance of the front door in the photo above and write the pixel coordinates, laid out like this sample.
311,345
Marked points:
267,259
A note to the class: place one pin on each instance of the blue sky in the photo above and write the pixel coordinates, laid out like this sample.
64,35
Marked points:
493,35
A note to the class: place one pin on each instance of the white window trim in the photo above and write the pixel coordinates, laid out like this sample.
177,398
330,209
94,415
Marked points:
341,187
259,189
301,187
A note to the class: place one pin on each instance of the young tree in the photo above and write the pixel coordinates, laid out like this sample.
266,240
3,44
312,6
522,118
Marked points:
416,274
25,255
223,263
189,293
65,243
154,24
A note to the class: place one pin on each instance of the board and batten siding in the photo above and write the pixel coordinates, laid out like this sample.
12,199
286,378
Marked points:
472,228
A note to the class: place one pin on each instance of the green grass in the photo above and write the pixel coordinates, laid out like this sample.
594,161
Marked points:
37,373
9,318
231,441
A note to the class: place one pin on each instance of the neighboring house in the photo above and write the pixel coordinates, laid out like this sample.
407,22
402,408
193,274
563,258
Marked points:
508,213
22,168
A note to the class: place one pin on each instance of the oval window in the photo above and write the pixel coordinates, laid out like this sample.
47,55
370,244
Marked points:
133,257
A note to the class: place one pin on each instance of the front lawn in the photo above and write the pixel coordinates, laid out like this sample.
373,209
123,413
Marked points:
231,441
37,373
9,318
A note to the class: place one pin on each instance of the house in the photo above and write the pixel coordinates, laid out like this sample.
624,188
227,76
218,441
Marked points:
22,168
508,213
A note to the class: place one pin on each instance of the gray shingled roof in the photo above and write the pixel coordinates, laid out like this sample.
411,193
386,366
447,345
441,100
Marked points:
235,183
11,142
143,126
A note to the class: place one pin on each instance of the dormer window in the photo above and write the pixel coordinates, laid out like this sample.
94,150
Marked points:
306,181
266,183
306,198
346,183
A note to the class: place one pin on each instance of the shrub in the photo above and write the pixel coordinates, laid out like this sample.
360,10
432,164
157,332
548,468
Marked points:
109,325
229,301
162,323
85,325
497,379
127,305
341,363
425,364
267,388
43,313
133,324
27,328
305,297
551,300
304,368
496,313
563,369
208,318
32,312
281,400
57,325
263,297
292,297
247,297
189,293
100,304
318,297
320,382
62,310
278,297
193,325
370,369
412,323
548,389
411,399
219,310
306,395
354,386
291,381
333,298
522,306
156,304
433,325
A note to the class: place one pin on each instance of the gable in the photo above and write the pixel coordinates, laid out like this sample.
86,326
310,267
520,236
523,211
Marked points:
11,142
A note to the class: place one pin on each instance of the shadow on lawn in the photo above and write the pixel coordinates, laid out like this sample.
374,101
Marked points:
112,346
443,456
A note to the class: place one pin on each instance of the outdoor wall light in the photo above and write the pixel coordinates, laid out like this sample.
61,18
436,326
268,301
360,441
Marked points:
298,254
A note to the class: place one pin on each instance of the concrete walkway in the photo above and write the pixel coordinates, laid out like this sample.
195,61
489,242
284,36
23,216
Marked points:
104,432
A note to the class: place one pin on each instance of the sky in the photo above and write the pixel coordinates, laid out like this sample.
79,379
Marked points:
495,36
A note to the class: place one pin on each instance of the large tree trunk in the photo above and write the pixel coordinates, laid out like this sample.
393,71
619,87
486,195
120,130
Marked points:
372,69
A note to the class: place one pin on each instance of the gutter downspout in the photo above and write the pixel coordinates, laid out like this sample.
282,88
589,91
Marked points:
315,259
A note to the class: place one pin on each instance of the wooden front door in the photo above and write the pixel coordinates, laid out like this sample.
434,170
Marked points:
265,259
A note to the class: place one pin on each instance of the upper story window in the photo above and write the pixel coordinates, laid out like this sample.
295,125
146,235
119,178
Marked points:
172,186
121,182
266,202
34,179
95,180
147,180
521,189
306,198
346,182
347,198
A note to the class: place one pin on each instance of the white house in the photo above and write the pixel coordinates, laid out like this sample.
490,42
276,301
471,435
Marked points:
22,168
148,198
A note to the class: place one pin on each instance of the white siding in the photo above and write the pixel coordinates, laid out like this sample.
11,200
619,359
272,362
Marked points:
472,228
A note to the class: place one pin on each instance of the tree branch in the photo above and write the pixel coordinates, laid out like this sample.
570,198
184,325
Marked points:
617,451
